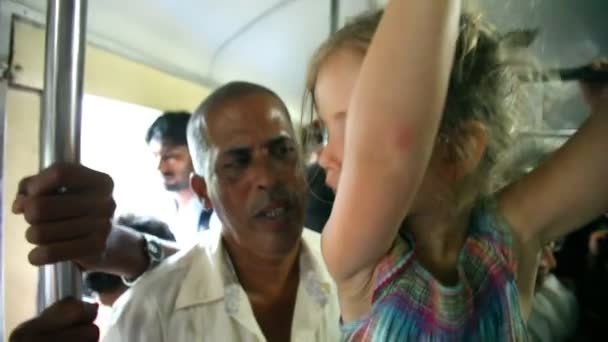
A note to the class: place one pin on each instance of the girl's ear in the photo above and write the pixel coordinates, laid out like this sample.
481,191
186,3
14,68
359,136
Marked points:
474,143
464,149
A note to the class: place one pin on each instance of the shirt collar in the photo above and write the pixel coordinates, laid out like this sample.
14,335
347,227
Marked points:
211,276
203,282
313,275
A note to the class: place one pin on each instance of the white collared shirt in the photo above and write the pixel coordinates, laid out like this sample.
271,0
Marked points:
183,221
554,315
195,296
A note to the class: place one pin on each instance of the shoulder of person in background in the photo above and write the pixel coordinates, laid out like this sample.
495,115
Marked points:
320,198
573,254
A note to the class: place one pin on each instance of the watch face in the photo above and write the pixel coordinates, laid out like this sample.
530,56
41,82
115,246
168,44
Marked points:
154,250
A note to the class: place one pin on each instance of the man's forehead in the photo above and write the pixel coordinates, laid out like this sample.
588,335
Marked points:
246,141
247,120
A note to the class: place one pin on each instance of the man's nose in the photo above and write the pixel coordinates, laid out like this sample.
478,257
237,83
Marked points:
161,165
265,173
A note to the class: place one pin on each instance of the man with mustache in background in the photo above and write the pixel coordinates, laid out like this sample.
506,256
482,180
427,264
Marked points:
184,212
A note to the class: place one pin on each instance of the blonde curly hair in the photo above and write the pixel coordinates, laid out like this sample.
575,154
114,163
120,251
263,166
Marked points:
483,86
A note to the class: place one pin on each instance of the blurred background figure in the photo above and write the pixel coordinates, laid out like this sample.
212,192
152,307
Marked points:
555,311
582,262
184,213
320,197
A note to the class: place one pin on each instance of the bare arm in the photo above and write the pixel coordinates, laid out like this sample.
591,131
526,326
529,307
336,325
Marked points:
570,189
124,254
391,126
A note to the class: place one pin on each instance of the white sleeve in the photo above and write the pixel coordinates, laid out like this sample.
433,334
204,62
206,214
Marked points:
136,319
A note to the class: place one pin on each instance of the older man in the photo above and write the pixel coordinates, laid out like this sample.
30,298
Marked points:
260,278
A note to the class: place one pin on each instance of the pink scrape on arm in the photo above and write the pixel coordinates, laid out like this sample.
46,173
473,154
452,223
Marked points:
403,138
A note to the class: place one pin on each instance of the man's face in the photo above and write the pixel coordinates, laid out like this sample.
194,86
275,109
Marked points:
174,164
256,180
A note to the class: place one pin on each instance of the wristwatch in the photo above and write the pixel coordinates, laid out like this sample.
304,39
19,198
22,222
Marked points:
155,254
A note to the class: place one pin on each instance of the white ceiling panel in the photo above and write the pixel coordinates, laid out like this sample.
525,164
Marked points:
266,41
276,52
270,41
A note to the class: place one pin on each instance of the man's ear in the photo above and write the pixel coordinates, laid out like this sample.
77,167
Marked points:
199,186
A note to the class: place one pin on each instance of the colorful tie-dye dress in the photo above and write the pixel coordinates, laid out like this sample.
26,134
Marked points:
410,305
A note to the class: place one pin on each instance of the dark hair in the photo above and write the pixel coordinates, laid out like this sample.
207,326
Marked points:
197,133
103,282
148,225
170,127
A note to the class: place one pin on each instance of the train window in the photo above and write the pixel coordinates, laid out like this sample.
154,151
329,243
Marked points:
113,141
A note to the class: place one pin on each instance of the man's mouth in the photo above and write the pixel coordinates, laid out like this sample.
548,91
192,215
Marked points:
278,212
274,212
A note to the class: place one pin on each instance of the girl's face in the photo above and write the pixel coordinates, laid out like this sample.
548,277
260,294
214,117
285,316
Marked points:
335,81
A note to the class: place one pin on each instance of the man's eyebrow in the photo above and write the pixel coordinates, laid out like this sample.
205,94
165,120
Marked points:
246,150
278,140
236,151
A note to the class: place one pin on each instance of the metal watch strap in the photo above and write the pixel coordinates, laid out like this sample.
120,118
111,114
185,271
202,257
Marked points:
155,254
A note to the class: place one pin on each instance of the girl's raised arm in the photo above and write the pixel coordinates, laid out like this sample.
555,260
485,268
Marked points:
392,121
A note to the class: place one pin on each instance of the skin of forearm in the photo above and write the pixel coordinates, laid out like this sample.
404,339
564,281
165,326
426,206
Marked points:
125,253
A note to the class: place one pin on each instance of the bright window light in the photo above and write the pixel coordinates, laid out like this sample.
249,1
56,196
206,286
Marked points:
113,142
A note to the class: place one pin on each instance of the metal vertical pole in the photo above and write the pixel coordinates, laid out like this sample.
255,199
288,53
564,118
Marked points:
5,37
60,122
334,16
